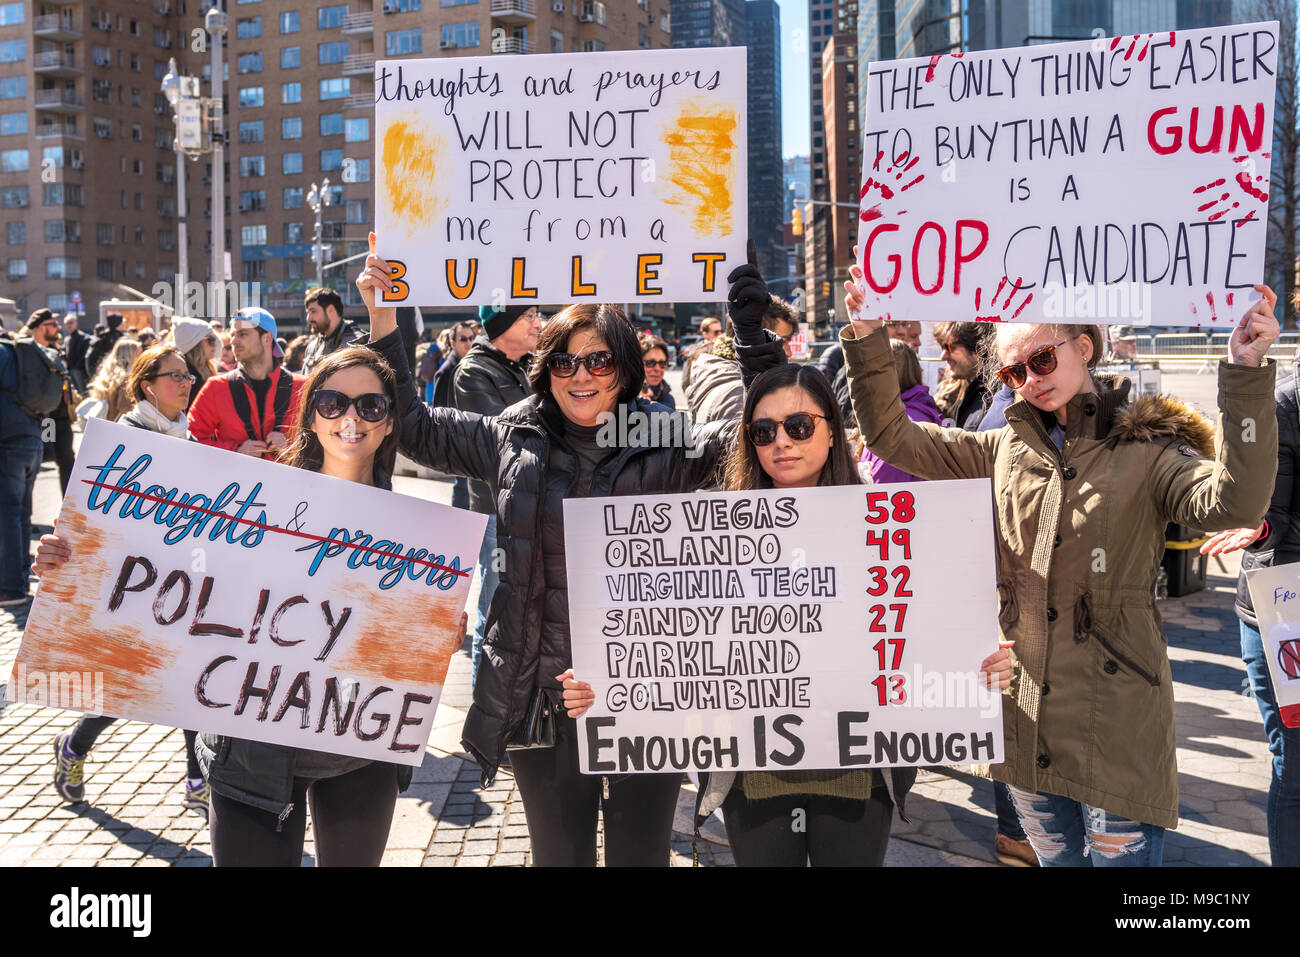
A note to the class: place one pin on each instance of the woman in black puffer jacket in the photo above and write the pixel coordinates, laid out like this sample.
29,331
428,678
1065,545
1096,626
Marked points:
538,452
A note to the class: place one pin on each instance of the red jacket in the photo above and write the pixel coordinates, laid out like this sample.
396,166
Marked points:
214,419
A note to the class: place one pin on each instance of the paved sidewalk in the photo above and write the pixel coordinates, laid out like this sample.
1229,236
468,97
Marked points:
133,816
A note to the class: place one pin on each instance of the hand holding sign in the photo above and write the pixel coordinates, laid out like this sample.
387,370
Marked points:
377,275
853,300
578,696
1256,331
747,301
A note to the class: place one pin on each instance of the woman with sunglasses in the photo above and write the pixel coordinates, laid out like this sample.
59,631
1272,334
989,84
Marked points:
1084,484
160,384
654,356
549,447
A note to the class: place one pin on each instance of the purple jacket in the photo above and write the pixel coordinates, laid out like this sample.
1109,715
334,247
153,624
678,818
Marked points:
920,408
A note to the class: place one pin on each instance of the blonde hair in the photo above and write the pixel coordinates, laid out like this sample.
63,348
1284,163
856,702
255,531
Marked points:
1061,330
114,371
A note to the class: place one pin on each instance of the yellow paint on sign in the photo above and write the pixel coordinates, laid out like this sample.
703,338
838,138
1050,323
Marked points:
410,161
702,162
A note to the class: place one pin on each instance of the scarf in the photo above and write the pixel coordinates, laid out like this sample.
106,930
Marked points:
148,415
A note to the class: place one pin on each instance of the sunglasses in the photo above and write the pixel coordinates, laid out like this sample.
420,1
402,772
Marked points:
372,407
800,427
656,363
1041,363
565,364
180,378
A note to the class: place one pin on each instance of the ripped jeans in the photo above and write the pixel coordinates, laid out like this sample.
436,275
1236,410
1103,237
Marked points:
1066,833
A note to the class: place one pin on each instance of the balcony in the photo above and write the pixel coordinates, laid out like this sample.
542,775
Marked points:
359,101
513,11
361,23
56,131
52,26
58,101
56,63
512,45
359,63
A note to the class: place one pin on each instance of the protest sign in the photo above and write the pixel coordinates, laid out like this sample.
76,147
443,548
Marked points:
218,592
779,630
1116,180
1275,593
601,177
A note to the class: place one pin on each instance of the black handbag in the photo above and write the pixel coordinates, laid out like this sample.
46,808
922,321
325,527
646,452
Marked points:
539,724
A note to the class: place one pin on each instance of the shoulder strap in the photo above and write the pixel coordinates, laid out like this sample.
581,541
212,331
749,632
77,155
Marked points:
283,395
243,408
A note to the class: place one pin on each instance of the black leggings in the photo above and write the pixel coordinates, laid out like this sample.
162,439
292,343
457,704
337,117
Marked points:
91,726
561,805
351,815
799,829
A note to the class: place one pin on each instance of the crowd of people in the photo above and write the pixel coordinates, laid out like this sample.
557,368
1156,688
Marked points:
511,406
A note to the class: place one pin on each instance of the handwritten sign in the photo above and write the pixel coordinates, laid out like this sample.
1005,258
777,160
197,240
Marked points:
1118,180
562,178
222,593
1275,593
778,629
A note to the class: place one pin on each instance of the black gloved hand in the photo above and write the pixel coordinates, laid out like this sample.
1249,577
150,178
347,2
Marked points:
747,301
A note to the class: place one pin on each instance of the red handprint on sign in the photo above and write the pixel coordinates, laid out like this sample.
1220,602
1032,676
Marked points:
993,301
901,166
1136,39
1250,182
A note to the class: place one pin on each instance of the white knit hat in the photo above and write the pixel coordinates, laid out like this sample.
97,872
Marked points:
188,333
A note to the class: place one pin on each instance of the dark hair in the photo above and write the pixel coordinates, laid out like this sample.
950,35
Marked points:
325,298
971,336
295,352
742,470
305,451
146,367
605,320
650,342
778,310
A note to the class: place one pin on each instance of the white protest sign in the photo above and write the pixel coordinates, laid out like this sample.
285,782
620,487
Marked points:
1275,593
221,593
1117,180
601,177
810,628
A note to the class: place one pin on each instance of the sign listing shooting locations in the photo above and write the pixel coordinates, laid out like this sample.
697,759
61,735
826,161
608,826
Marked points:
221,593
600,177
779,630
1121,180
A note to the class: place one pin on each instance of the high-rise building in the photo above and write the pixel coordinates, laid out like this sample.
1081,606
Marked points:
798,184
708,23
766,178
875,39
843,167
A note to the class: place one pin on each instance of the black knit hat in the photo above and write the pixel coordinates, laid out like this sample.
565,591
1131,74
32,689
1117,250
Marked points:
496,321
39,316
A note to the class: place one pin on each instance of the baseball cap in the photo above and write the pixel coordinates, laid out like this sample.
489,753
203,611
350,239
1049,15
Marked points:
254,317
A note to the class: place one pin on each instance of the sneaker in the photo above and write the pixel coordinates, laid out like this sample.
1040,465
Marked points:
198,797
1014,853
69,771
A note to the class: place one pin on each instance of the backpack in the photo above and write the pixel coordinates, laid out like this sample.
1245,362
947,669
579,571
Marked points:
40,378
244,408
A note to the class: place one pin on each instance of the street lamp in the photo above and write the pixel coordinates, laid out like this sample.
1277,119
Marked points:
215,23
182,92
318,199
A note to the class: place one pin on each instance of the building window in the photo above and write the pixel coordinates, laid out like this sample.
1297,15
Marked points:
328,18
356,130
251,132
460,34
13,51
104,269
11,13
409,6
455,3
252,235
358,211
293,269
252,270
250,62
290,57
360,170
291,128
557,41
250,166
137,132
17,233
13,161
102,128
248,28
334,52
290,92
250,96
166,207
293,197
331,159
62,231
331,124
289,22
291,163
13,87
104,234
17,269
61,194
139,204
14,197
293,232
400,42
335,88
252,200
61,267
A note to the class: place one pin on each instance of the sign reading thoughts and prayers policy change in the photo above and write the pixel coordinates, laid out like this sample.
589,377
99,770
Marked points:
569,177
222,593
778,629
1275,593
1115,180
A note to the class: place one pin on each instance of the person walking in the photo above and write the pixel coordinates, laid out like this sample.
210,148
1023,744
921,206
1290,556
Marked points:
75,346
1081,475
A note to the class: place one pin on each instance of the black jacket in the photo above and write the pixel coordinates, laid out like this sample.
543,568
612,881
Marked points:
1281,545
75,348
319,347
486,381
521,456
100,347
442,380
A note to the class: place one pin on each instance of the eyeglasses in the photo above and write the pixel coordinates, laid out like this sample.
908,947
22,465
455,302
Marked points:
464,338
372,407
656,363
180,378
565,364
800,427
1041,363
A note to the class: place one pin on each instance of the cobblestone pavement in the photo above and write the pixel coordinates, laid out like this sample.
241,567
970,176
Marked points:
134,777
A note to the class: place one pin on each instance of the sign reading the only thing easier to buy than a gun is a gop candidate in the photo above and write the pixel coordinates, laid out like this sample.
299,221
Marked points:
783,629
561,178
1117,180
221,593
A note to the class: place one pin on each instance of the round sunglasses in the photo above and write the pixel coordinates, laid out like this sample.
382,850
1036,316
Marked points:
1041,363
371,407
564,364
800,427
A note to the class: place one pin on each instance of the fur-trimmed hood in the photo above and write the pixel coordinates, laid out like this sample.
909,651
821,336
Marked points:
1151,417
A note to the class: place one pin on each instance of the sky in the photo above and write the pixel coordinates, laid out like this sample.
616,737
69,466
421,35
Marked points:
794,77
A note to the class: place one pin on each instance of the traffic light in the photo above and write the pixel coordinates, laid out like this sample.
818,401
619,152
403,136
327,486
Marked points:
826,289
796,222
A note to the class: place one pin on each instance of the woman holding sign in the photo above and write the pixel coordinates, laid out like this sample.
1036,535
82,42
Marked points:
1084,484
556,445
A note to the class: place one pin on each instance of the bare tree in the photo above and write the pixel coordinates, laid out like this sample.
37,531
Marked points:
1282,252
